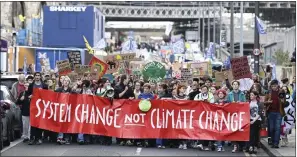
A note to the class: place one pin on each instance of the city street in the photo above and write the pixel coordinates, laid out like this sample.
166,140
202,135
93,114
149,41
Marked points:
18,148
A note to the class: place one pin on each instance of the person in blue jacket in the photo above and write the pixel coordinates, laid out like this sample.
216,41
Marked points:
147,95
236,96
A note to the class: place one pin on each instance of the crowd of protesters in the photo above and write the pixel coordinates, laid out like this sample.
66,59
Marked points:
269,111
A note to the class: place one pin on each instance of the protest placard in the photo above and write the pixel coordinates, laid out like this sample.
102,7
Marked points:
200,69
186,75
74,58
63,67
220,77
240,68
82,68
154,72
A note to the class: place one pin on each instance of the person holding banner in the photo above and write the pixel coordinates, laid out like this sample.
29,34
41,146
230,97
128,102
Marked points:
194,89
236,96
206,96
221,93
65,88
146,95
123,91
36,133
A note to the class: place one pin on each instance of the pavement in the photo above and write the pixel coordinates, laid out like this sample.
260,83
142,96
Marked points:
290,150
50,149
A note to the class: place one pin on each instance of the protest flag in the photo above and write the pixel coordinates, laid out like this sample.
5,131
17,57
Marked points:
260,26
102,65
89,48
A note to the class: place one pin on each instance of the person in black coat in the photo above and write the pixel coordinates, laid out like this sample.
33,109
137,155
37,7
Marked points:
36,133
123,91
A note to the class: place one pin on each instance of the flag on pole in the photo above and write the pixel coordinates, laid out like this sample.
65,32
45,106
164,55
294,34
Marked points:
89,48
25,66
227,63
260,26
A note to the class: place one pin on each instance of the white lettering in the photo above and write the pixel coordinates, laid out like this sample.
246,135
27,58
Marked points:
200,120
116,114
38,107
76,113
67,8
234,123
240,121
61,112
152,116
46,105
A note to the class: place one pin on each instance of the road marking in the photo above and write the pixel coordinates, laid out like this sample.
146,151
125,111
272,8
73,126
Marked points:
138,151
247,154
12,144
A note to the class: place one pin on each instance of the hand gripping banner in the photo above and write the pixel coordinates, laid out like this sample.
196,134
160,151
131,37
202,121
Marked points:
168,119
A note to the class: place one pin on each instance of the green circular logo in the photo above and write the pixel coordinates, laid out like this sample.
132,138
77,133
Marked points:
144,105
154,72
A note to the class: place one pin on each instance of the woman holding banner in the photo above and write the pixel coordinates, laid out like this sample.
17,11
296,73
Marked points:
123,91
65,88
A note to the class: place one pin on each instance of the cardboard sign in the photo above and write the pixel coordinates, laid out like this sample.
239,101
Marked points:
154,71
200,69
64,67
186,75
82,68
220,77
240,68
74,58
176,66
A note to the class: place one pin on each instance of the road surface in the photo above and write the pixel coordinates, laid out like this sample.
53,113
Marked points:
18,148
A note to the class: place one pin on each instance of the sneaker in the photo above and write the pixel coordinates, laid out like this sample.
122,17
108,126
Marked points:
32,142
163,147
39,142
206,149
129,143
159,146
67,142
251,150
138,144
269,141
213,147
219,149
185,146
122,143
26,140
180,146
200,146
81,142
235,149
255,150
60,141
146,144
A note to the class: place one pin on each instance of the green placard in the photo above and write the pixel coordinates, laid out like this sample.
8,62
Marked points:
154,72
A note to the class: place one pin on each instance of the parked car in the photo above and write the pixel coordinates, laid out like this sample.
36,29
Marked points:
12,121
8,79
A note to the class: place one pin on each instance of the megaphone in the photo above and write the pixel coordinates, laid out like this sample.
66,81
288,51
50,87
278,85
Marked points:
109,92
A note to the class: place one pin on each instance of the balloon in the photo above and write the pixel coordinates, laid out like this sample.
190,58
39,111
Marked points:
144,105
118,57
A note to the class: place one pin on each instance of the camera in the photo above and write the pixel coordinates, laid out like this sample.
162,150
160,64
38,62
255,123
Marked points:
282,94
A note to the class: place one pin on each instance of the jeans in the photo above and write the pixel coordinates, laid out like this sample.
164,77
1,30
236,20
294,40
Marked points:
80,138
275,120
254,134
26,126
159,142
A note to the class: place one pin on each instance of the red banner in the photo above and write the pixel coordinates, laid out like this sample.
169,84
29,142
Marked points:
168,119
